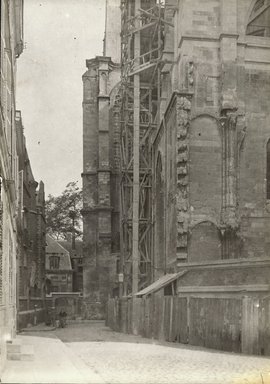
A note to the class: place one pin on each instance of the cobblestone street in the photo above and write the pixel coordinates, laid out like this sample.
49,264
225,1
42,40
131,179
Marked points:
91,353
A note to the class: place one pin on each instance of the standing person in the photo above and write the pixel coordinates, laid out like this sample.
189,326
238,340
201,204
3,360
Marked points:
65,318
53,316
62,318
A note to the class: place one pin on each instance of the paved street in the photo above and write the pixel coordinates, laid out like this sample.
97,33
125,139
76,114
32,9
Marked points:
92,353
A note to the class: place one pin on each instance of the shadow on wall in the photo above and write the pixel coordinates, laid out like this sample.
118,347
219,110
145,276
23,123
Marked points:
205,243
32,317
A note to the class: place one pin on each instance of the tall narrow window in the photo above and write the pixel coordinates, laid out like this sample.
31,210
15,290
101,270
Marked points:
160,218
54,262
268,171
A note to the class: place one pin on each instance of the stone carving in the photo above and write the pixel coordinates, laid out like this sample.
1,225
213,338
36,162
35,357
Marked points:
183,107
241,134
190,74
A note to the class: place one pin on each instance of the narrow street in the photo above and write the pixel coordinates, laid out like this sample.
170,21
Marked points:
89,352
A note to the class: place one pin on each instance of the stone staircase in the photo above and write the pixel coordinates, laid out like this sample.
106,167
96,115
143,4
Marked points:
18,351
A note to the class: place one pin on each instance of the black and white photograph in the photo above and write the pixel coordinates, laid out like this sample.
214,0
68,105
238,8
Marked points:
135,192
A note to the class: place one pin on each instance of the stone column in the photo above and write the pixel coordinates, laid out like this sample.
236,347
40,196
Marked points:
229,193
228,123
229,107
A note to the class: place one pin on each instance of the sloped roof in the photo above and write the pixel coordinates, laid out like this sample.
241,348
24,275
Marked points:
68,246
54,248
162,282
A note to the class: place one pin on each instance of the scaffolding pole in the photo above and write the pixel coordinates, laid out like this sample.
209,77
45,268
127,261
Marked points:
142,31
136,160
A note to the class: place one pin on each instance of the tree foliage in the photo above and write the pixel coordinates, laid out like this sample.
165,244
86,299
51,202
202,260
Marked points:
63,212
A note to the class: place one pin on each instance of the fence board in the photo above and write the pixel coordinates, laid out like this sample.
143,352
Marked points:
180,324
250,325
147,317
264,327
230,324
167,318
221,331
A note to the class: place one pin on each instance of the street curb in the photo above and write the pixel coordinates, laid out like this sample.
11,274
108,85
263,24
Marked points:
37,330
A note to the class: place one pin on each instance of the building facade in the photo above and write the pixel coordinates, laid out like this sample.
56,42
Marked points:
11,48
211,168
59,281
75,249
101,170
58,267
31,228
194,186
211,150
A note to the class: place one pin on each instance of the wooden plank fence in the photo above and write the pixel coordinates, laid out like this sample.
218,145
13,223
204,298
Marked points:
230,324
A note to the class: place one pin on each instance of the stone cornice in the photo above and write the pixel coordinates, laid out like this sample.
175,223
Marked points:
105,235
94,173
214,39
89,173
101,59
107,97
228,263
228,35
224,288
96,209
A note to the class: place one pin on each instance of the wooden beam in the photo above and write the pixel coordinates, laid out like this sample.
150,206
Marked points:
136,160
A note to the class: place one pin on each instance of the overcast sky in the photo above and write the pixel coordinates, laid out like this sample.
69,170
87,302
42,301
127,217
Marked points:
59,36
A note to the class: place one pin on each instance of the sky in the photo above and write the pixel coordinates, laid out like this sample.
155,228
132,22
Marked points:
59,36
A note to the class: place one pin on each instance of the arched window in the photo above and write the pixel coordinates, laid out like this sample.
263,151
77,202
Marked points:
268,170
160,219
259,20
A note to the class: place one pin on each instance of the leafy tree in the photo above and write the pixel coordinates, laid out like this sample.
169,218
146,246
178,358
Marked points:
63,213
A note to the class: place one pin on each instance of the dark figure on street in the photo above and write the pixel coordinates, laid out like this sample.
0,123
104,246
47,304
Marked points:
62,319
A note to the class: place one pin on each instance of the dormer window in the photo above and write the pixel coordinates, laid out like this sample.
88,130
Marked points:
54,262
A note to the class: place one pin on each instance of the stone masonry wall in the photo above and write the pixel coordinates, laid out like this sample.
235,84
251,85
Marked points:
99,200
216,174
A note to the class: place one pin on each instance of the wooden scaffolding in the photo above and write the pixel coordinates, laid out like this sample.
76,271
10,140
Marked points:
142,47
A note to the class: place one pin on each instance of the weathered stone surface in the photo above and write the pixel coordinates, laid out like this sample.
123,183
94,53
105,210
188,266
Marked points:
215,190
100,191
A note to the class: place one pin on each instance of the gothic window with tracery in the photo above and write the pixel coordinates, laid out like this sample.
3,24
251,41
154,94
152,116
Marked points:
259,20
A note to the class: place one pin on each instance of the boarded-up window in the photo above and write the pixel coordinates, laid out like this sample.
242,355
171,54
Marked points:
268,171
